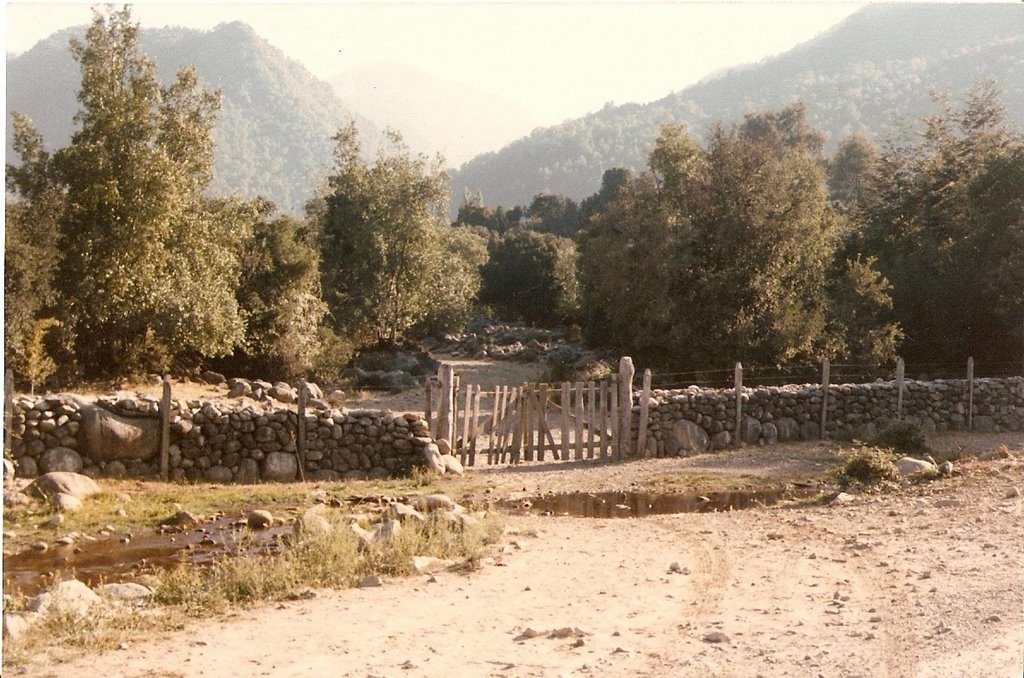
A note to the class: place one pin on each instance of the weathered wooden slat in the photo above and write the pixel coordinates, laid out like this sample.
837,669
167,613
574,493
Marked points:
591,419
474,422
613,411
542,420
645,410
467,412
579,421
738,392
603,417
566,426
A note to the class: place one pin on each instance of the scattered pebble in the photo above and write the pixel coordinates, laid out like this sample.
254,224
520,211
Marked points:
716,637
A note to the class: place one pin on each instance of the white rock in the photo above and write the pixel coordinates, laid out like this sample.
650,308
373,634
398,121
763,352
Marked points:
452,465
430,564
432,458
433,502
909,466
71,594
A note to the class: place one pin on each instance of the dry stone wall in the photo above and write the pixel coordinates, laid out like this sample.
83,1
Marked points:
211,442
698,419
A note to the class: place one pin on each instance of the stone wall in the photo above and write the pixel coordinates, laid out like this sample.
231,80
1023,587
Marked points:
210,442
696,419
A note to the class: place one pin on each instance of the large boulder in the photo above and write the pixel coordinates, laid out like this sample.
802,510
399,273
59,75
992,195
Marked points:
686,437
71,595
60,459
283,393
105,436
63,482
787,428
750,430
280,467
432,458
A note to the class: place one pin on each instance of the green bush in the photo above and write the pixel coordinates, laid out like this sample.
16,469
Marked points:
903,437
869,466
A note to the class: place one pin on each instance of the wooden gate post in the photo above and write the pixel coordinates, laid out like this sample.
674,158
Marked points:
446,377
970,394
626,374
165,429
566,420
738,389
900,371
645,410
300,432
824,398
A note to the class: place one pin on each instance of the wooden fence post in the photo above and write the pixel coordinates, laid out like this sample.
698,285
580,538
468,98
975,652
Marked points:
165,429
970,394
645,409
626,374
8,414
300,437
901,369
445,412
738,389
824,398
474,424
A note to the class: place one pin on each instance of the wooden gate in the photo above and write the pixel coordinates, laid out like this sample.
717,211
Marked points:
508,424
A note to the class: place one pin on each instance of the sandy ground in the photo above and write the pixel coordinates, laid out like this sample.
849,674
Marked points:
928,581
925,582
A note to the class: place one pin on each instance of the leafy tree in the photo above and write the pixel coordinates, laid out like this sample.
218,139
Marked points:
36,362
531,276
149,266
719,251
851,168
612,182
550,213
381,238
945,219
33,211
279,296
456,283
861,321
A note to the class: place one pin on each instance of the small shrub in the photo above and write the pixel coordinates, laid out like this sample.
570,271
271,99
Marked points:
870,466
903,437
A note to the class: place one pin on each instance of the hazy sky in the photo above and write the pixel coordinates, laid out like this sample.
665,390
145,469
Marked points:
557,60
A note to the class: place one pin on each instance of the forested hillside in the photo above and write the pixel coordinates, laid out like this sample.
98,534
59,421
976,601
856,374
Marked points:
273,136
872,73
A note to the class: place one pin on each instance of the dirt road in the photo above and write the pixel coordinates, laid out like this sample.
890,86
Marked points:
929,582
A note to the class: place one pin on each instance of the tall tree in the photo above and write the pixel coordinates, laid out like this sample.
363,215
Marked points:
945,219
531,276
150,266
33,211
381,237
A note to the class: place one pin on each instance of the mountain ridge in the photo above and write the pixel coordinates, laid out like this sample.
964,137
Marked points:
274,133
871,72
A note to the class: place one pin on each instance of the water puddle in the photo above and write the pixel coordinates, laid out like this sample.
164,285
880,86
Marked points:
639,504
110,559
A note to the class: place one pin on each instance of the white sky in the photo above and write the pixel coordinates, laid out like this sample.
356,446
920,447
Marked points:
557,60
